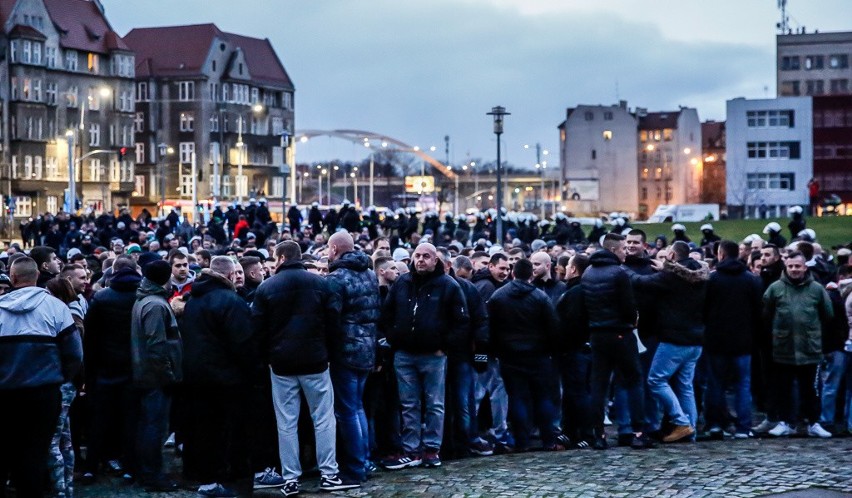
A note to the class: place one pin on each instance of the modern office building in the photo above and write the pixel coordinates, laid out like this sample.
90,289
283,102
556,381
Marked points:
769,152
832,135
814,63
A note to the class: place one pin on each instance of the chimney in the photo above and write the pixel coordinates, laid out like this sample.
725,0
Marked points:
622,104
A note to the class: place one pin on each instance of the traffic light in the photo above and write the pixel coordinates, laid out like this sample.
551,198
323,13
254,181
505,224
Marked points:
122,152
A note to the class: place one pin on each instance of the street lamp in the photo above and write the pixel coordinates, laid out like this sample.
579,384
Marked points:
498,112
541,166
71,197
241,149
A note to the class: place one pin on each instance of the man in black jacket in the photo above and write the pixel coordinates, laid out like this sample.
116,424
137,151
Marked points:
293,314
734,302
423,314
611,309
763,365
353,353
523,336
218,363
543,279
680,289
106,347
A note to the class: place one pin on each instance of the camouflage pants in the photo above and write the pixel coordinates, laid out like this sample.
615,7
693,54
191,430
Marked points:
60,461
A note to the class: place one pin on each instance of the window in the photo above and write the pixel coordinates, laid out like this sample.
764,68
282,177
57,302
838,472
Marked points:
186,151
644,193
139,185
186,90
589,115
838,61
28,167
608,116
839,86
37,167
95,170
142,91
187,121
658,174
94,99
771,181
52,204
770,119
30,129
214,65
213,89
15,172
36,53
139,122
277,126
278,186
288,100
94,134
814,87
50,93
51,169
140,152
71,96
126,135
774,150
254,95
226,185
814,62
643,136
226,92
607,134
645,173
114,171
50,57
594,154
37,90
668,134
793,88
185,185
26,89
71,60
93,63
241,68
214,122
13,50
125,101
24,205
27,51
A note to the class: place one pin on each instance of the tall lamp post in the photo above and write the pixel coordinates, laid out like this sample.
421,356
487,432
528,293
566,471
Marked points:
71,197
498,112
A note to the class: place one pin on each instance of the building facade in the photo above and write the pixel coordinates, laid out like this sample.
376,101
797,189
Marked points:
713,164
597,156
225,101
814,63
832,135
66,76
669,159
769,152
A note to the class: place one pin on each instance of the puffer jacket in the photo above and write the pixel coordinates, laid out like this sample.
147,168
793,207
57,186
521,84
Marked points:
359,308
485,283
425,313
608,295
734,315
218,347
293,315
523,322
680,289
797,312
107,340
155,344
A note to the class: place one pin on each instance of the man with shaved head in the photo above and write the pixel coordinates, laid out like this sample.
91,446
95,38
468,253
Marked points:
353,351
423,314
543,279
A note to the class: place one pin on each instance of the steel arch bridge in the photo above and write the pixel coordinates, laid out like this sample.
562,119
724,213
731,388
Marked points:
375,141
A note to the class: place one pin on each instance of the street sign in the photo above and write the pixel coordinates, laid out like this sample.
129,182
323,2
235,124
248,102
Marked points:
420,184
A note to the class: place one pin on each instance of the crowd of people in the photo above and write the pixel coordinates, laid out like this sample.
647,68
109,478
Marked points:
351,342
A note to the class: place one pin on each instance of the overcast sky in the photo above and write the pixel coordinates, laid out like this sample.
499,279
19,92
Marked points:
417,70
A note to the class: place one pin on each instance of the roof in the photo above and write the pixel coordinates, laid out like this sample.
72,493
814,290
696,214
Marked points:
26,32
658,120
180,51
713,134
83,26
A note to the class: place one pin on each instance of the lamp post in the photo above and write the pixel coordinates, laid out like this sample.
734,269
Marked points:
498,112
71,197
164,151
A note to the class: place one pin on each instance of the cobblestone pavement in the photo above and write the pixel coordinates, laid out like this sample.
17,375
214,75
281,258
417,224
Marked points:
757,467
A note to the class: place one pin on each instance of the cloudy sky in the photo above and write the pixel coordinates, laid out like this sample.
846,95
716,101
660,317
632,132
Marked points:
418,70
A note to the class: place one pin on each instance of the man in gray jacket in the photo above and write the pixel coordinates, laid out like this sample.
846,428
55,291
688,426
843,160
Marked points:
156,354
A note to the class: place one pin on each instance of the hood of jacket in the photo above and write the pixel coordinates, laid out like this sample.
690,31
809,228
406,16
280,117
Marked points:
23,300
210,281
731,266
604,258
807,280
419,279
518,289
125,280
149,288
351,260
190,278
485,274
688,269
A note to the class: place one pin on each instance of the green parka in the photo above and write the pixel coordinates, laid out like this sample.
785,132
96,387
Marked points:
796,313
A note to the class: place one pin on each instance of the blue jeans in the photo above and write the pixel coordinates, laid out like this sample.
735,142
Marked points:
491,382
670,380
737,370
151,432
533,388
461,406
832,371
353,443
620,412
421,376
575,370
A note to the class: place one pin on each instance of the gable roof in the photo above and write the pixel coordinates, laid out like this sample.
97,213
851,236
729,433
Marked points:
174,51
659,120
83,26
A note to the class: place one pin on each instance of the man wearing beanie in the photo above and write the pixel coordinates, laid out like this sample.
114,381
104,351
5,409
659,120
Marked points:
156,353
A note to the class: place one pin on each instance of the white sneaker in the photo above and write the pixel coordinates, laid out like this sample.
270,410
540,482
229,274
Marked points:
816,430
781,430
607,421
170,441
743,435
764,426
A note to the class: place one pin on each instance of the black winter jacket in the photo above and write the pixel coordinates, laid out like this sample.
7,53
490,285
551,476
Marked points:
523,322
734,309
106,344
680,289
645,303
425,313
608,296
293,314
552,287
573,319
485,283
359,309
218,346
477,339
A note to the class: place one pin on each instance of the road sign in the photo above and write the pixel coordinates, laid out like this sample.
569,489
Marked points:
420,184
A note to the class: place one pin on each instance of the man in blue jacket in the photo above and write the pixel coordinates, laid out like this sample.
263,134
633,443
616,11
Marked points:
40,349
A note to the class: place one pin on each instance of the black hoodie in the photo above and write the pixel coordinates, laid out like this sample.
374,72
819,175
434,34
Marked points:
523,322
734,308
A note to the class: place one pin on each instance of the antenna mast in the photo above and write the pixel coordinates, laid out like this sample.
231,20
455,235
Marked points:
784,25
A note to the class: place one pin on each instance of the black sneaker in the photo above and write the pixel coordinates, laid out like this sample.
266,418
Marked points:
600,443
625,439
481,447
402,462
291,488
335,483
642,442
161,485
431,458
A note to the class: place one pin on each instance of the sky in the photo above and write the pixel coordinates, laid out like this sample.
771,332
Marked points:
418,70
